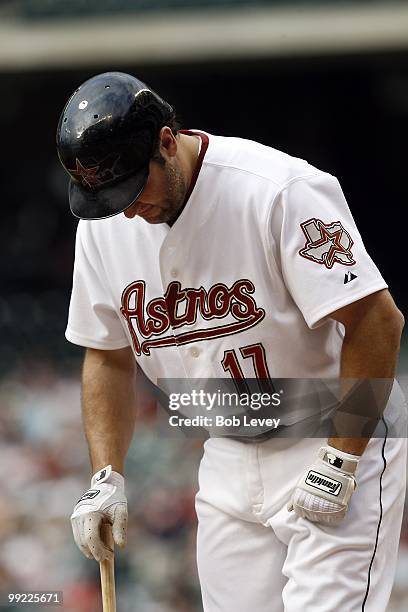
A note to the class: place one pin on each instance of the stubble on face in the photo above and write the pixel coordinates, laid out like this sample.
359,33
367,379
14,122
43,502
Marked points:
176,193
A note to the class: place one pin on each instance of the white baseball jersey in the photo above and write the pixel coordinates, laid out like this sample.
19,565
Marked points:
242,284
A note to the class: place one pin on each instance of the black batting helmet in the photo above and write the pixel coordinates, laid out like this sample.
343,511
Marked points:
105,139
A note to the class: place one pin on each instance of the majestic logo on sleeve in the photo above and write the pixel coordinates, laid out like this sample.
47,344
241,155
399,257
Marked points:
180,308
327,243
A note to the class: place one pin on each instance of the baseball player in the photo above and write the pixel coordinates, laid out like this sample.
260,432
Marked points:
200,256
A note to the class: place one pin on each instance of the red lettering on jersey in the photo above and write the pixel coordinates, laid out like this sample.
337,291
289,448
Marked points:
181,307
219,300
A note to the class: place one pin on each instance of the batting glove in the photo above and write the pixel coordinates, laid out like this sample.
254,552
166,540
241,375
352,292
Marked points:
104,502
323,493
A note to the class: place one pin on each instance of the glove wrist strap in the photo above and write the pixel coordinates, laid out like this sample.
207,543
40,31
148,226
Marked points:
106,474
338,459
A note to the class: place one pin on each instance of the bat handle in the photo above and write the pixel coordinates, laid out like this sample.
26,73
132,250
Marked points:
107,571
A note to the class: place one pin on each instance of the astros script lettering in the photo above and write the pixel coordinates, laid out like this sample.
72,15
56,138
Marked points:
162,313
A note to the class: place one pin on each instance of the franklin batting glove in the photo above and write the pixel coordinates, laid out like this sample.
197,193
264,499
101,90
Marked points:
104,502
323,493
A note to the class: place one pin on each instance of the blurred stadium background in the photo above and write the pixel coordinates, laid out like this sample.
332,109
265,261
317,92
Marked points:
327,81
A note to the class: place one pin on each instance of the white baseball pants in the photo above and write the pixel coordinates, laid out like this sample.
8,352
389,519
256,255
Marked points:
255,556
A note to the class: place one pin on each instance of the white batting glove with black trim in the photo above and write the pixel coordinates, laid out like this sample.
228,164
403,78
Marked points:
323,493
104,502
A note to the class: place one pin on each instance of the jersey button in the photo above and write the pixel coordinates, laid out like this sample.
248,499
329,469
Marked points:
174,272
194,352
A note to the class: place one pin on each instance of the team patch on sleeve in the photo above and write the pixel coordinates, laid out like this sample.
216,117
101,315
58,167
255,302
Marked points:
327,243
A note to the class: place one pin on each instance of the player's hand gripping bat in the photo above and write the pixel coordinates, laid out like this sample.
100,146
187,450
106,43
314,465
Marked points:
99,520
104,502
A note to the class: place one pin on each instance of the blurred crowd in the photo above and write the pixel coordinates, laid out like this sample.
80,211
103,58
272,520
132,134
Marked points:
45,469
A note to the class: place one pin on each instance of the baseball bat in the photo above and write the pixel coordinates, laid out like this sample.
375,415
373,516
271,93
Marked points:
107,570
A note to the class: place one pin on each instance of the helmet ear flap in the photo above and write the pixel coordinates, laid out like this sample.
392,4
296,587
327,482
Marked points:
105,138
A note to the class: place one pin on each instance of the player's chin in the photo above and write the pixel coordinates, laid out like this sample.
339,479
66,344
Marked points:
156,214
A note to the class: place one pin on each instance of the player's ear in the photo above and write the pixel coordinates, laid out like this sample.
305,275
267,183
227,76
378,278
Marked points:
168,143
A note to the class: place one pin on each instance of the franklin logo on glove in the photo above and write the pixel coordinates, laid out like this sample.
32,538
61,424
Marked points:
89,495
314,479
